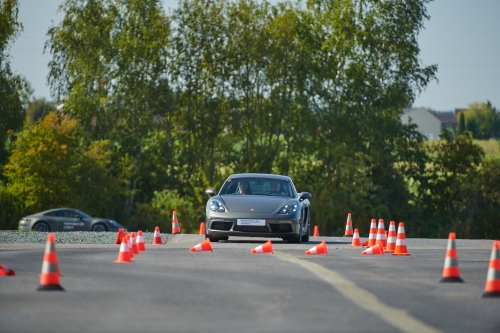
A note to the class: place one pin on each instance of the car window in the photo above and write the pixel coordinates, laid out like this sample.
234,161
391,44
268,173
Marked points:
53,214
67,213
257,186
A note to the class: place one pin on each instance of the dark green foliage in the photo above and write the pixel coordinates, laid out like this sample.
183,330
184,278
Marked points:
38,109
461,123
12,87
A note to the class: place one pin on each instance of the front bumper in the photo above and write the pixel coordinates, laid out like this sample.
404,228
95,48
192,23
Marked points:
273,228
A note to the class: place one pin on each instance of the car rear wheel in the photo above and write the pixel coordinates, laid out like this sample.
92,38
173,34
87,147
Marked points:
41,226
99,227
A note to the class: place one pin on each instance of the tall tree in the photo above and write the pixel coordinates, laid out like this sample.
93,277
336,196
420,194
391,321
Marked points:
13,88
461,123
50,168
482,119
110,67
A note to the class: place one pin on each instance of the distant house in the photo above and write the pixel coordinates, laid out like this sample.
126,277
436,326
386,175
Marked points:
429,123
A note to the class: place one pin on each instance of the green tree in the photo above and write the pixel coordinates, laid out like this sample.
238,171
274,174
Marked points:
482,119
110,68
13,88
50,168
461,123
38,109
454,162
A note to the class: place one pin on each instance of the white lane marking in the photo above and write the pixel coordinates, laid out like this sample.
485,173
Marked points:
366,300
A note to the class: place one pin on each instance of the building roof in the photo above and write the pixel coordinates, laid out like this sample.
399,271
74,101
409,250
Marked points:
447,117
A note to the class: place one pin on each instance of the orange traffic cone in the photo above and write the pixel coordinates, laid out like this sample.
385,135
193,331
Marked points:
451,272
316,231
381,233
264,248
49,277
6,271
175,224
202,228
318,249
355,239
203,246
401,242
124,254
372,236
376,249
135,249
141,246
348,226
492,288
157,238
119,236
391,239
365,244
129,246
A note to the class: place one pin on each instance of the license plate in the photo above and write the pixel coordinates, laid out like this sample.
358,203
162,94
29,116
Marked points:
251,222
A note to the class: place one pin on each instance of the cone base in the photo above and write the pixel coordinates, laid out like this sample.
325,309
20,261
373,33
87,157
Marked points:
123,262
390,251
401,254
451,279
176,233
491,294
50,287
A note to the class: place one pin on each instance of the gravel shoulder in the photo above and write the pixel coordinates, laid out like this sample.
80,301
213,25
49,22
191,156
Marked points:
74,237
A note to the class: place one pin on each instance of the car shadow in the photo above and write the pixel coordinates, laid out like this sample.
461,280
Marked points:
277,241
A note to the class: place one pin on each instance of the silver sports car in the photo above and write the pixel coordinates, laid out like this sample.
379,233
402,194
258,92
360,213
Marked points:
258,205
66,219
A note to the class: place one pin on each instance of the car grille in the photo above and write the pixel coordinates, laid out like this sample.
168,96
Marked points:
219,225
250,228
280,227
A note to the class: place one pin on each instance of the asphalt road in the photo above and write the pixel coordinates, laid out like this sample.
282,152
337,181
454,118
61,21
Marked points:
170,289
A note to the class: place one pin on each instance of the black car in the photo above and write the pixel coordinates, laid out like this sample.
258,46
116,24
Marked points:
258,205
66,219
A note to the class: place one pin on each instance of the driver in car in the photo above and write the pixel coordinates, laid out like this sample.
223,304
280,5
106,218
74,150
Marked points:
243,187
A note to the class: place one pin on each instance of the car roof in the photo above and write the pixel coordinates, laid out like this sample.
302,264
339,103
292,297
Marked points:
258,175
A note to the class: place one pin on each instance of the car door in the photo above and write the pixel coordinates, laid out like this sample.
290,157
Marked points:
84,222
55,220
72,221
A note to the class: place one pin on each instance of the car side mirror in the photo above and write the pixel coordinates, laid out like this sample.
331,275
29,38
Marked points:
305,195
78,217
210,192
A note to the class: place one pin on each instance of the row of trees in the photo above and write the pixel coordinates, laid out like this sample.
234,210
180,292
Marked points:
481,119
158,107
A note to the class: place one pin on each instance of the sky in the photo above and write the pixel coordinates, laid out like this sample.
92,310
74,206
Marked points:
462,37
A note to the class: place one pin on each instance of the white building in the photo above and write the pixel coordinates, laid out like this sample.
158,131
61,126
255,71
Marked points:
429,123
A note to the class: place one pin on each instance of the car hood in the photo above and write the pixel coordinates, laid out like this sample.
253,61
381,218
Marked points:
259,203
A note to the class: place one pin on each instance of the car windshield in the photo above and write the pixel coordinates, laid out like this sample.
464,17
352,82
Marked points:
257,186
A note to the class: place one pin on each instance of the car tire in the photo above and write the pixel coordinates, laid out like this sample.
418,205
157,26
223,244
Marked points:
213,239
99,227
41,227
305,238
296,239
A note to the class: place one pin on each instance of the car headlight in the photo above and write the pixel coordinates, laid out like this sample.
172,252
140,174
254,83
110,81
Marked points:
289,208
216,206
